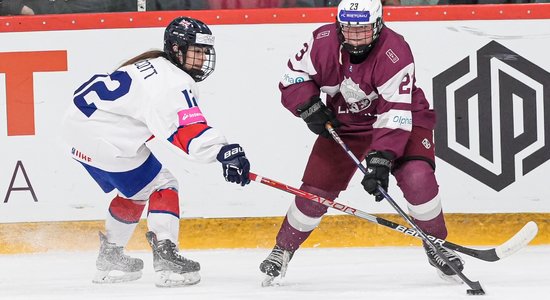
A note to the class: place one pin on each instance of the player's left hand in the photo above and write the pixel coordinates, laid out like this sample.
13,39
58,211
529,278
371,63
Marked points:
235,165
378,173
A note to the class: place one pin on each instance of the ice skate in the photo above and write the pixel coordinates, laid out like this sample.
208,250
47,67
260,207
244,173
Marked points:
275,265
443,269
113,265
171,268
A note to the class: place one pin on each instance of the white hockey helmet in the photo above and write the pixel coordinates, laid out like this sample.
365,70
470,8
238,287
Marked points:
362,14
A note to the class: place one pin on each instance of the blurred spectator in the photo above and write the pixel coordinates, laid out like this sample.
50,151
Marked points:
37,7
175,4
31,7
448,2
418,2
434,2
14,7
384,2
229,4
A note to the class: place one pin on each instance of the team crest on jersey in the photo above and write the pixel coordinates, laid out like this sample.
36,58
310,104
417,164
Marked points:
355,97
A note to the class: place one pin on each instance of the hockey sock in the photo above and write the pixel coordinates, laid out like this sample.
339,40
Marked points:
123,217
164,215
302,218
416,179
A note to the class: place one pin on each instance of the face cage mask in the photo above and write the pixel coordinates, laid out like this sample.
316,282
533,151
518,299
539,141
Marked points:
360,49
207,68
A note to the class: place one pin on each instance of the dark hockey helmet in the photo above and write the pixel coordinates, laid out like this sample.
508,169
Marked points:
361,22
185,32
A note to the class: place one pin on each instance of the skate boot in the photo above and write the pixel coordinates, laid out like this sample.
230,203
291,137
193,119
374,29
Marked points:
275,264
113,265
171,268
443,269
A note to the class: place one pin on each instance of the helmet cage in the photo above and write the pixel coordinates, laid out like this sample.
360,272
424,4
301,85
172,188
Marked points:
358,13
208,65
361,48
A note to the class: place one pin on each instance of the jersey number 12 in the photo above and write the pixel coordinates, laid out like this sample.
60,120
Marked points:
102,91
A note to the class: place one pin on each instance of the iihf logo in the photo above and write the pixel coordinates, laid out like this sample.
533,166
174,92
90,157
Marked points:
493,115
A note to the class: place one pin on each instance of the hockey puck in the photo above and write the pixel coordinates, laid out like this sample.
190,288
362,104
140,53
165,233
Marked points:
476,292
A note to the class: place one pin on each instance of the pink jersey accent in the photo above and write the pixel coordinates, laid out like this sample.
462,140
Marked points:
190,116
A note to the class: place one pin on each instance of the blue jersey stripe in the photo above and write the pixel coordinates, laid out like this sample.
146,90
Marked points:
128,182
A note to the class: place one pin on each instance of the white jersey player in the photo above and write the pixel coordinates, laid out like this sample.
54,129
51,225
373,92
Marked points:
153,95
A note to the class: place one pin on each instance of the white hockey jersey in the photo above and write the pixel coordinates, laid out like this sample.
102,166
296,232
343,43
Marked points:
113,115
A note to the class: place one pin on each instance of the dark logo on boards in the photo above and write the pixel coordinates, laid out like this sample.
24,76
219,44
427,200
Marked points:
493,115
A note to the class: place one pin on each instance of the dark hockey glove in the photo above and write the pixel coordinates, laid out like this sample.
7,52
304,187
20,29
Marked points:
234,164
316,115
378,173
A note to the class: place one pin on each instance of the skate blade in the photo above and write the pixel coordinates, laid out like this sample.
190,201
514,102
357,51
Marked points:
271,281
454,279
114,276
168,279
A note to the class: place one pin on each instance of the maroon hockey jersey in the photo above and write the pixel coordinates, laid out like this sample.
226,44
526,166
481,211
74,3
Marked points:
377,96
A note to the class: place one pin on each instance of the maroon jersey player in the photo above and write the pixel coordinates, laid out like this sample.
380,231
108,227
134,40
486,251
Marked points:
367,72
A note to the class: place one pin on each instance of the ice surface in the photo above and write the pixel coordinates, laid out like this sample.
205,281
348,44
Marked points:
313,274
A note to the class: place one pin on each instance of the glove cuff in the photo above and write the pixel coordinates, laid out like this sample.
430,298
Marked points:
306,110
380,158
385,154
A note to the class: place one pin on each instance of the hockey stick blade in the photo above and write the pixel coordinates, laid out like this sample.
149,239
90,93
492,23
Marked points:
518,241
521,239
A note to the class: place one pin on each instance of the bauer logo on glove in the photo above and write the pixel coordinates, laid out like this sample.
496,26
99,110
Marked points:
234,164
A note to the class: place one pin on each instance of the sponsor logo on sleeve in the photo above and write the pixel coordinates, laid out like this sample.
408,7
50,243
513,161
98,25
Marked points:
289,79
190,116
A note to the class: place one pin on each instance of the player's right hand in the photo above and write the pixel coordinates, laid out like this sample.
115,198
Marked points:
235,165
316,115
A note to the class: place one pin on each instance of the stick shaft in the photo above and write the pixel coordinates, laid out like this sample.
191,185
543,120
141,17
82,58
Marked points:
487,255
475,285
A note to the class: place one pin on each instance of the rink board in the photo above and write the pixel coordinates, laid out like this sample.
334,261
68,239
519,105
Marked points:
495,175
334,231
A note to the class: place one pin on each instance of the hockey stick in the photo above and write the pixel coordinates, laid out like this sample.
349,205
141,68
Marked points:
518,241
475,286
